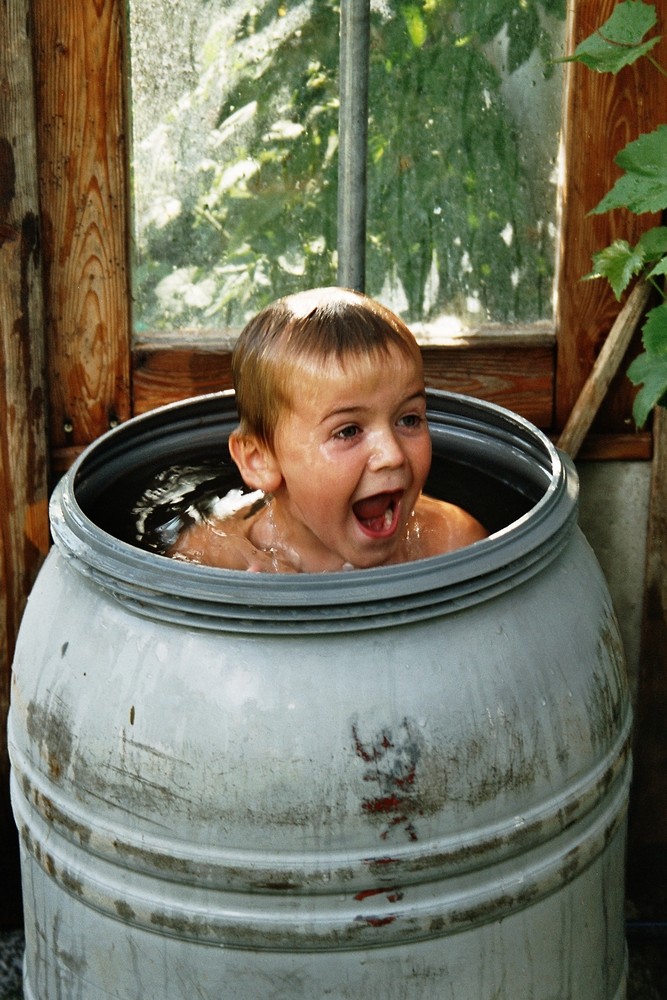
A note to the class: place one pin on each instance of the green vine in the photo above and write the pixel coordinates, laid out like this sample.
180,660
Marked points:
617,43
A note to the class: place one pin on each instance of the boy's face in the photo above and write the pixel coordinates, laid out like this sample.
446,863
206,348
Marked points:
354,452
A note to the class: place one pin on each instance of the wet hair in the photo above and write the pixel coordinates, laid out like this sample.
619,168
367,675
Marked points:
305,332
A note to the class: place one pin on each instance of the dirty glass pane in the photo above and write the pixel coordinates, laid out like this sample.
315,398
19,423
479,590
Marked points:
235,117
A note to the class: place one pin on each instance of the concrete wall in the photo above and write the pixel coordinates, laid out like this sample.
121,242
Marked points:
613,516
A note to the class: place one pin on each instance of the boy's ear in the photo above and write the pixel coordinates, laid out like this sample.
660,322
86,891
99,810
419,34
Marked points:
256,462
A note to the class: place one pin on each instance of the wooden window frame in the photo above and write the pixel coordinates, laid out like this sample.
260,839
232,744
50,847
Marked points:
97,376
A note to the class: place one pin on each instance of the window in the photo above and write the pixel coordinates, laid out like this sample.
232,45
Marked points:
235,157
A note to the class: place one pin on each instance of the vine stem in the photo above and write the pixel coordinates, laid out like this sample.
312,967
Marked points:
659,287
656,65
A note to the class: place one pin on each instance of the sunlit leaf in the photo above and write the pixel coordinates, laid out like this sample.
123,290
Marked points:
643,187
619,41
416,25
618,263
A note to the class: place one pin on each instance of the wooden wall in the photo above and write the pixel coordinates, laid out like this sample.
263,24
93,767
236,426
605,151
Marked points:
24,536
82,148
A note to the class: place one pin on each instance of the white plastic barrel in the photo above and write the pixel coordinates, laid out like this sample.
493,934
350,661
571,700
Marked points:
405,782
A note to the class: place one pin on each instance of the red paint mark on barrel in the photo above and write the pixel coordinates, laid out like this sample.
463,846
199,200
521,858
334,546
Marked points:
392,759
380,921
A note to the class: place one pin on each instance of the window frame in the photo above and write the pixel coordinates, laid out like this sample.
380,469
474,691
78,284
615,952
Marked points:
98,376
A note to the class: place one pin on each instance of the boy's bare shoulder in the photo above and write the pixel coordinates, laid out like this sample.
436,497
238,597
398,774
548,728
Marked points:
226,542
221,542
445,527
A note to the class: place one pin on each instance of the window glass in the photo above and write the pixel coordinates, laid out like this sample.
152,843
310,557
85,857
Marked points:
235,121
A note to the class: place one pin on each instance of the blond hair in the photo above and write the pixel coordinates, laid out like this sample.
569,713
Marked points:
305,332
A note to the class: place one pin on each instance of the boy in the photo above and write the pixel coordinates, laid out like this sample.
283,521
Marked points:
333,432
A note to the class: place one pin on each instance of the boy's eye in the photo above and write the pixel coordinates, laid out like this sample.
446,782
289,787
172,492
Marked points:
347,433
411,420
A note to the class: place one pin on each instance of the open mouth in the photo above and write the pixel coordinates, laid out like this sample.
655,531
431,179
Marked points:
378,515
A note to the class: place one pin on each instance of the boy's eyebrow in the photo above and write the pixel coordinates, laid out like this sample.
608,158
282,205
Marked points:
359,407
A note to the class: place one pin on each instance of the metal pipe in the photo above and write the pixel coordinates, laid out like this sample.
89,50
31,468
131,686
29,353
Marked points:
353,140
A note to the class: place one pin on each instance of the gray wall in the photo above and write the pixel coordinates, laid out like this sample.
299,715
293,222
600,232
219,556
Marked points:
613,516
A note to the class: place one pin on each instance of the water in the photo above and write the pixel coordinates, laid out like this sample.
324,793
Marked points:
149,507
179,496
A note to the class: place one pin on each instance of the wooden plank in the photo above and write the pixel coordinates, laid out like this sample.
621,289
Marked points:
427,334
602,113
604,370
637,447
24,534
648,802
82,139
166,374
517,376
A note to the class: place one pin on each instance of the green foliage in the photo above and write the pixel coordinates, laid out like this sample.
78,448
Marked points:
619,42
643,187
650,368
450,196
446,175
618,263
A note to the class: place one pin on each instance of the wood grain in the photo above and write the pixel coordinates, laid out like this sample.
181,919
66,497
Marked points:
82,148
167,374
635,446
24,534
602,113
519,376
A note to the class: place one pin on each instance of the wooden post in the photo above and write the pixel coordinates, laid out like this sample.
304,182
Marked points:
82,148
648,802
604,370
24,532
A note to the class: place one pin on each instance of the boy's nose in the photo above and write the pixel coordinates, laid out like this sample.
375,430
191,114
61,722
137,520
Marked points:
386,452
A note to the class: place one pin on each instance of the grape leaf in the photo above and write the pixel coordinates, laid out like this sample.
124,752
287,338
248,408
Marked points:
617,263
619,41
653,243
654,331
650,368
643,188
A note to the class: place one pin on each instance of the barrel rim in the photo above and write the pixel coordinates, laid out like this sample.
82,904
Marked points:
150,580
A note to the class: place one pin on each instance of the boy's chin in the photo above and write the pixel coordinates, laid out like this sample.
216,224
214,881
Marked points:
385,555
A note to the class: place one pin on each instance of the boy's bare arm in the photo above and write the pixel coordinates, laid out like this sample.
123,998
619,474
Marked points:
226,546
